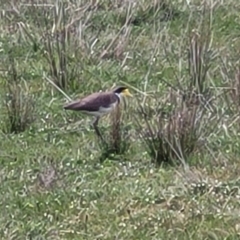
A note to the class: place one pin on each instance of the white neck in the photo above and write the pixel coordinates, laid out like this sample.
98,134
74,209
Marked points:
119,95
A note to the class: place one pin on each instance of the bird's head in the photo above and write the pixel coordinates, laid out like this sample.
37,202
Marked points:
122,91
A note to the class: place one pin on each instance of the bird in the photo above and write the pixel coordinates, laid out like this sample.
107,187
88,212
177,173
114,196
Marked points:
99,104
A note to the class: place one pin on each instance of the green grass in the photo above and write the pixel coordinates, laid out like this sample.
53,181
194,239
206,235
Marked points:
168,171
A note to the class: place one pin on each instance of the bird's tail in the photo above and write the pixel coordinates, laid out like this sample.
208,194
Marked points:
72,105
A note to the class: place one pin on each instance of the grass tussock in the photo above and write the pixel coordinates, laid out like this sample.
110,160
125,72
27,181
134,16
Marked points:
60,41
200,58
116,142
55,48
172,136
18,103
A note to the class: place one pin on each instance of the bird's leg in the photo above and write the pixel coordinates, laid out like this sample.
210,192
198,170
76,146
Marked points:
95,125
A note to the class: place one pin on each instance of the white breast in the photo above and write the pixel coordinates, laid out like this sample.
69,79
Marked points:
107,110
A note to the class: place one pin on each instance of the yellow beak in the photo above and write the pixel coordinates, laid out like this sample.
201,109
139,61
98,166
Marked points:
127,93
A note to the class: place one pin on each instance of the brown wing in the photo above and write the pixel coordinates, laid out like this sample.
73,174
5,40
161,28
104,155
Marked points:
92,102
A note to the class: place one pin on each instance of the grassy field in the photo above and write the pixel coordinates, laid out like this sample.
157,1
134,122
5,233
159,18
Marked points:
168,168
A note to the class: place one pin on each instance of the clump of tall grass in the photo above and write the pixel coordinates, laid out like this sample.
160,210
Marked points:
173,137
116,142
19,107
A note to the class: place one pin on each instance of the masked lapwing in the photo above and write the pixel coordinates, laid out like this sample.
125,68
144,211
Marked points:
99,104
